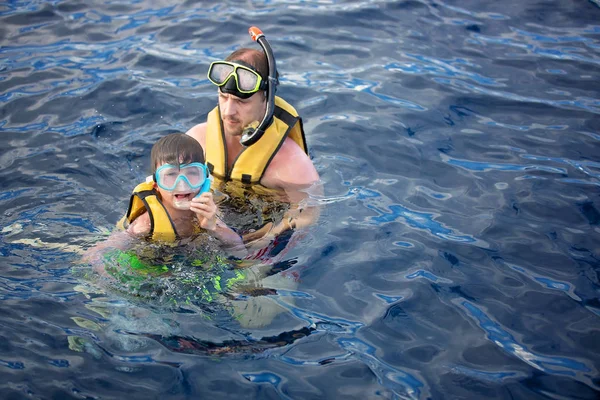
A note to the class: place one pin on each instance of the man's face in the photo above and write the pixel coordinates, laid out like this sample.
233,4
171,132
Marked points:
237,113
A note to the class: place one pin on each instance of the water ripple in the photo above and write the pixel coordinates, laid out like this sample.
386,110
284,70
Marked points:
404,384
418,220
506,341
456,253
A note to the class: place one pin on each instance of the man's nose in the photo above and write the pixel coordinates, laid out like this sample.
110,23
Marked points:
228,106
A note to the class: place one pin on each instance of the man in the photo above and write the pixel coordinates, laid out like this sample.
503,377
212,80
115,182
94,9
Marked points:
290,167
278,160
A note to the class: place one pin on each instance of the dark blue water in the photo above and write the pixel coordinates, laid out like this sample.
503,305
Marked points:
457,255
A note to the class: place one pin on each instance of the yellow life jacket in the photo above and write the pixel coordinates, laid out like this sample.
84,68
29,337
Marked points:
146,199
251,164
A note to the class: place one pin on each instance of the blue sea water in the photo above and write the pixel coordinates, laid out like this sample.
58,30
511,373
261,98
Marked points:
457,254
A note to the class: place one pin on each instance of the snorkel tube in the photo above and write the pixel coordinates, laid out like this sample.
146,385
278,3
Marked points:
252,134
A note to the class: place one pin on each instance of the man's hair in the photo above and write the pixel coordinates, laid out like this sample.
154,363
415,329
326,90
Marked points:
254,57
176,148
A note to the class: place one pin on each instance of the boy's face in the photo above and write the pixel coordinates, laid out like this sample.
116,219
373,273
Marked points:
178,184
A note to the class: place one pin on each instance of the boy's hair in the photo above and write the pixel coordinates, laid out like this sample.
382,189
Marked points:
176,148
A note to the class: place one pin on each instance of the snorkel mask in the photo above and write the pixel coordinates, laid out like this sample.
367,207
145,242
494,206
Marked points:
242,80
183,178
236,77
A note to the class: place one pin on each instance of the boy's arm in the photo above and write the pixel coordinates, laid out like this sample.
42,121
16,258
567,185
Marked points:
140,226
120,240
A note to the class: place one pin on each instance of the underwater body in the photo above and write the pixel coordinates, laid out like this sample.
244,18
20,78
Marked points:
457,252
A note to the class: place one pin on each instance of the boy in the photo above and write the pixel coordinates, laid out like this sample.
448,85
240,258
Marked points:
175,206
177,203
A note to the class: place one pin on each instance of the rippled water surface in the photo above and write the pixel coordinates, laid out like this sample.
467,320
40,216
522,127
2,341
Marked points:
457,254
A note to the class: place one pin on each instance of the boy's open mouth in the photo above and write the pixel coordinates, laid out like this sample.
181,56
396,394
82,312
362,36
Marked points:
182,201
183,196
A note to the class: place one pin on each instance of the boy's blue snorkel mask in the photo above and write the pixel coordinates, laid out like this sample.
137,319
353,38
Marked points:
183,177
242,80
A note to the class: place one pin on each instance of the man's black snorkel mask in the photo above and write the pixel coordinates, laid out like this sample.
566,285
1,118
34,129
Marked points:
242,80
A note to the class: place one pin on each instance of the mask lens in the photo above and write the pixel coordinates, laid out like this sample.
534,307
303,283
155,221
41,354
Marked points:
247,80
194,175
168,176
219,72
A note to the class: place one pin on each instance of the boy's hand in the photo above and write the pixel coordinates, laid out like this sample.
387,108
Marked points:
206,211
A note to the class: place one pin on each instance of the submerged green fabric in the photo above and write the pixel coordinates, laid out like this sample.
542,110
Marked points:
172,279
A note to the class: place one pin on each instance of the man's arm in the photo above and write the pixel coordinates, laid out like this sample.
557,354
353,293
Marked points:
293,171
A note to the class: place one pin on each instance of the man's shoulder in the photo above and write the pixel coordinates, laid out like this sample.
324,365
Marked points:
198,132
291,148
